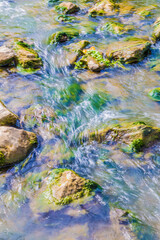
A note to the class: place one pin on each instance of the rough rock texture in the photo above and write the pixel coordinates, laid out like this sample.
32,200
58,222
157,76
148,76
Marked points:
103,8
62,187
128,51
68,7
74,50
26,56
93,64
7,56
135,135
15,145
7,118
156,30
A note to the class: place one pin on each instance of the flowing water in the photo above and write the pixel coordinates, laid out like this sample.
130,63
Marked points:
132,180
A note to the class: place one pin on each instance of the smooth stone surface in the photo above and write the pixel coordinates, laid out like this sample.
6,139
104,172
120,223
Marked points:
7,56
7,118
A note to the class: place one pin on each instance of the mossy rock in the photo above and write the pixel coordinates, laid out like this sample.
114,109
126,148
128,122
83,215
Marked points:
65,18
145,11
27,57
67,8
135,136
125,8
116,28
154,94
129,50
61,187
74,50
156,29
63,36
104,8
7,118
15,145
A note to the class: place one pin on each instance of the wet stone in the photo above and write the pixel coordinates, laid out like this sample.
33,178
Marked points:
7,118
68,7
7,56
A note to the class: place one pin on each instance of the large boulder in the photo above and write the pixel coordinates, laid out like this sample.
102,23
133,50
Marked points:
15,145
7,118
61,187
7,56
26,56
129,51
67,7
156,30
130,136
103,8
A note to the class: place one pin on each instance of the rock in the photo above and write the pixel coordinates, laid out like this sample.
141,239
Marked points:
7,56
92,60
155,94
65,18
61,187
27,57
67,7
125,8
63,36
15,145
103,8
129,51
156,30
145,11
134,136
7,118
116,28
74,50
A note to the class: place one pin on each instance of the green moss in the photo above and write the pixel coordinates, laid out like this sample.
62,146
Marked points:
62,36
2,159
116,28
65,18
155,94
33,140
137,145
60,9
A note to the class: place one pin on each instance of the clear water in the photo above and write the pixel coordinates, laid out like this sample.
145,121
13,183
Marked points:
131,180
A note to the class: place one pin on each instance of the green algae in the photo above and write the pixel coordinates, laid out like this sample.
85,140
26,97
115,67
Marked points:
65,18
137,145
60,9
116,28
154,94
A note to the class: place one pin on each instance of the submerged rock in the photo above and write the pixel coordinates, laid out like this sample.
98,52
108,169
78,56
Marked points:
63,36
155,94
103,8
67,7
129,51
74,50
61,187
134,137
156,30
27,57
15,145
116,28
7,56
7,118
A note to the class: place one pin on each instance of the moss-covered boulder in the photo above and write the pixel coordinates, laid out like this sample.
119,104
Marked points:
129,51
61,187
92,60
7,118
116,28
145,11
63,36
15,145
27,57
133,137
103,8
154,94
7,56
74,50
67,8
156,29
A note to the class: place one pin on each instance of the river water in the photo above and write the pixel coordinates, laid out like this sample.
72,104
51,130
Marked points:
131,180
